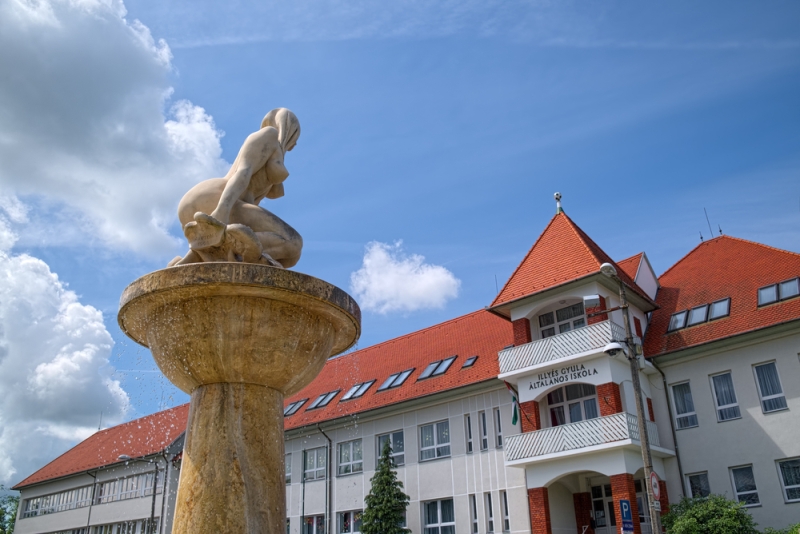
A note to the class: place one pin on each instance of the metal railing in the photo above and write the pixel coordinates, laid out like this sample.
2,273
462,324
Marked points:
588,338
575,436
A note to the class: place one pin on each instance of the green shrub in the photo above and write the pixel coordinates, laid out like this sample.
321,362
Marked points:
709,515
791,529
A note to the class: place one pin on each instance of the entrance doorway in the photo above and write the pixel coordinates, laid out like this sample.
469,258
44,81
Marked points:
603,509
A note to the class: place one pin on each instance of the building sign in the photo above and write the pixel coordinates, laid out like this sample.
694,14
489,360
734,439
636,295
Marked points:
626,515
562,375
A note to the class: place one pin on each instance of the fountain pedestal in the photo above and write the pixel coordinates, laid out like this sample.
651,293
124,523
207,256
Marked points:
237,337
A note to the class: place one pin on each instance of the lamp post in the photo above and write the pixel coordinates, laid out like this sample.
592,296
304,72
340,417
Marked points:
655,517
126,458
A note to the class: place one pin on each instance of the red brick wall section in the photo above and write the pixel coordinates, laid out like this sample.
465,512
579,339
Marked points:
663,497
583,511
539,506
593,309
531,421
650,409
622,488
522,331
609,398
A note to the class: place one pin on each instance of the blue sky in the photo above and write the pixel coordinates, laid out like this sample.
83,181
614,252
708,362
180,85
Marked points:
445,125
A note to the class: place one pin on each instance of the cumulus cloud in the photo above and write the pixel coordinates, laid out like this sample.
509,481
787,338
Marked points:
55,377
89,128
390,280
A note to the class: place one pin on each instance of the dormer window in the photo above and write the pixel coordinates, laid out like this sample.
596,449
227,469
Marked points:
562,320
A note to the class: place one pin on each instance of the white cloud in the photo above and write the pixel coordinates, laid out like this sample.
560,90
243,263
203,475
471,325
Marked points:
389,280
55,377
85,127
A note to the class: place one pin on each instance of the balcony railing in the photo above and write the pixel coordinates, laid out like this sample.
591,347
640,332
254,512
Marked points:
586,339
576,436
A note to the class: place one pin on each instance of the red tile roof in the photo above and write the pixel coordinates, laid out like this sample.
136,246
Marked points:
719,268
140,437
479,333
631,265
562,253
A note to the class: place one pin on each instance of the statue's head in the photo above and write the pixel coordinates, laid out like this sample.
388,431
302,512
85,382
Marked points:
287,125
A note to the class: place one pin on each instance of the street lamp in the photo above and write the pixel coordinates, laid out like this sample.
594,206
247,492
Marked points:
126,459
655,517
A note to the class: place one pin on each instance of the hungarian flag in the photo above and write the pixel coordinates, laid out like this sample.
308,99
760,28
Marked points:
514,403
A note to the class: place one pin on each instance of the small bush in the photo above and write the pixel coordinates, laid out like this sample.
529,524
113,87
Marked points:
792,529
709,515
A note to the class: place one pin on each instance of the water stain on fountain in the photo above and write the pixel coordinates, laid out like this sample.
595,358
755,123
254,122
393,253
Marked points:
237,337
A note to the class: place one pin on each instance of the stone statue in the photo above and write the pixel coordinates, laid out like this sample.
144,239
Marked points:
221,217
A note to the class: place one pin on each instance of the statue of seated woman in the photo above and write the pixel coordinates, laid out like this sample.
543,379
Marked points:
221,217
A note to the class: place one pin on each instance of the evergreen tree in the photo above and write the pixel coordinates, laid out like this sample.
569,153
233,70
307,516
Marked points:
386,503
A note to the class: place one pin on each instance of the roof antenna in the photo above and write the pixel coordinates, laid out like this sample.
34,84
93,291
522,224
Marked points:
710,231
496,287
701,237
559,209
100,424
720,230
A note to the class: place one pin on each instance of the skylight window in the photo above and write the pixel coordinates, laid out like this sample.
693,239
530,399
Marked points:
357,390
437,368
698,315
678,320
768,295
323,400
396,380
789,288
781,291
470,362
293,407
720,308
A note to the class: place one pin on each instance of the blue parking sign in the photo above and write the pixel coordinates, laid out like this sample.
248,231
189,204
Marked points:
626,514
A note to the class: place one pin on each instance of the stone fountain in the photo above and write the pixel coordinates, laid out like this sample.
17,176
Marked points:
228,324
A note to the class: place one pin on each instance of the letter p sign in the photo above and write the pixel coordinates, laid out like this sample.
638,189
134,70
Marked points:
626,514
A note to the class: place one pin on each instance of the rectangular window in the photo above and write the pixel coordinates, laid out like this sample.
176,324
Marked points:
506,516
677,321
489,513
790,479
720,308
725,397
698,315
470,362
473,505
468,430
437,368
685,416
314,524
58,502
789,288
434,441
484,428
128,488
698,485
350,460
768,295
498,428
323,400
744,485
357,390
288,460
769,387
396,380
350,522
293,407
315,462
439,517
397,445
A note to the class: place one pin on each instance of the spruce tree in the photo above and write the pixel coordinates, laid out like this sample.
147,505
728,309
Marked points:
386,503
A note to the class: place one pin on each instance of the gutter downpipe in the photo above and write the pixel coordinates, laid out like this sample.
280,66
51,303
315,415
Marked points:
672,427
163,490
329,485
91,503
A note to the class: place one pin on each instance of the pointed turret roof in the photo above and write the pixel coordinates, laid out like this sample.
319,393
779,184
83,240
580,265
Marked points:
562,254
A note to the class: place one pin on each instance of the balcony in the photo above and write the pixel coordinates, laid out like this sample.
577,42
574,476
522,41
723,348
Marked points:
585,436
586,340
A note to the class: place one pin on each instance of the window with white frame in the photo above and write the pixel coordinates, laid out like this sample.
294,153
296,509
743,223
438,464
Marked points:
434,441
350,457
489,512
142,526
288,460
744,485
130,487
314,524
439,517
498,428
769,387
473,512
562,320
484,429
396,443
350,522
725,397
316,461
698,484
468,431
506,515
57,502
572,403
789,471
685,415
